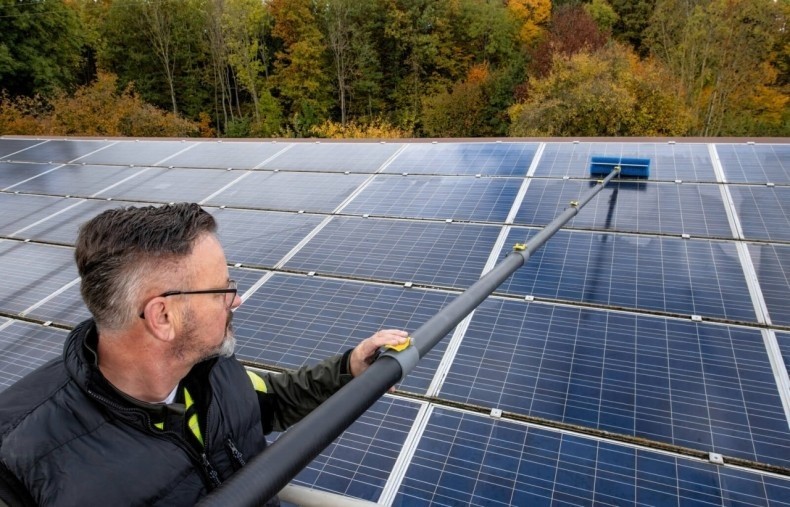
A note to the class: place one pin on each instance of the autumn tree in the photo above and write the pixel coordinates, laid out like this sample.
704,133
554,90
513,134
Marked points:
572,30
532,16
301,75
244,28
610,92
158,45
720,50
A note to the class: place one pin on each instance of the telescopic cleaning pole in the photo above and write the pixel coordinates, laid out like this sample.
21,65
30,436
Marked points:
266,474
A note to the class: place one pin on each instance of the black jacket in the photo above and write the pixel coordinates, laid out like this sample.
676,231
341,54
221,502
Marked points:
67,437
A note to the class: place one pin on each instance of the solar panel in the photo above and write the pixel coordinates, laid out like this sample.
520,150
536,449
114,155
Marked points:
75,180
468,459
666,208
618,329
668,162
439,254
59,151
25,346
755,163
334,157
763,211
500,159
138,153
673,275
63,227
290,191
261,238
12,174
458,198
702,386
22,211
31,272
9,147
224,155
359,462
171,185
772,266
292,319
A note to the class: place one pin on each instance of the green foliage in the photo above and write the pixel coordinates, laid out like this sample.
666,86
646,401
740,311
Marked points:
633,18
40,47
606,93
603,14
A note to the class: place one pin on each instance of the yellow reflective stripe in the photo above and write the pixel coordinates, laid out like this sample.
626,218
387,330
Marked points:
193,420
160,425
257,382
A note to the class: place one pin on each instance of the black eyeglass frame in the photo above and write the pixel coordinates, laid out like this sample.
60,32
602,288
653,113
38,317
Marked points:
233,288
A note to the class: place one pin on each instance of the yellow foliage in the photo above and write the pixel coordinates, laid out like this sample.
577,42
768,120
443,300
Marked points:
98,109
19,116
533,15
606,93
378,128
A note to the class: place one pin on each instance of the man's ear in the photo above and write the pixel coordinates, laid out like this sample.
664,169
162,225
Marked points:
160,319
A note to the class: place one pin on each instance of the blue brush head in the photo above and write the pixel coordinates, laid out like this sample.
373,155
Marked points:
630,167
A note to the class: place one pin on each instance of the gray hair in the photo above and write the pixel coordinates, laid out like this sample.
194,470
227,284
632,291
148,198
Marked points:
122,249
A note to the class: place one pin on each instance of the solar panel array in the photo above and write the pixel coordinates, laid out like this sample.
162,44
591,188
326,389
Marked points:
640,357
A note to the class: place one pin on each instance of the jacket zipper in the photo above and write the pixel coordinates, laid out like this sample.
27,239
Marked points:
208,472
236,456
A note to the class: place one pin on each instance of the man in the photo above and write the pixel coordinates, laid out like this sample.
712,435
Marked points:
148,405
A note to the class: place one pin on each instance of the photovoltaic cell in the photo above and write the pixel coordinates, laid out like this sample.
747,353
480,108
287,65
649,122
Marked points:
20,211
458,198
59,152
172,185
360,461
772,265
447,255
499,159
668,162
687,277
758,163
666,208
334,157
466,459
65,309
62,228
76,180
702,386
290,191
24,347
261,238
291,320
138,153
764,212
224,155
11,146
31,272
11,174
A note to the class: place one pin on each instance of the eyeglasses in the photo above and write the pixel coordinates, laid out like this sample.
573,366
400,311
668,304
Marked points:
230,294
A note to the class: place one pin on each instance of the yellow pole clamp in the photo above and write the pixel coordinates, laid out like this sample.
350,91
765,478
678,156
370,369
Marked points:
574,203
520,247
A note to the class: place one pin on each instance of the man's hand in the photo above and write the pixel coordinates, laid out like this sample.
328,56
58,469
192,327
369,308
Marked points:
365,353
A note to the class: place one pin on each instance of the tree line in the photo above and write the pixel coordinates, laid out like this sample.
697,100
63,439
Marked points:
395,68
